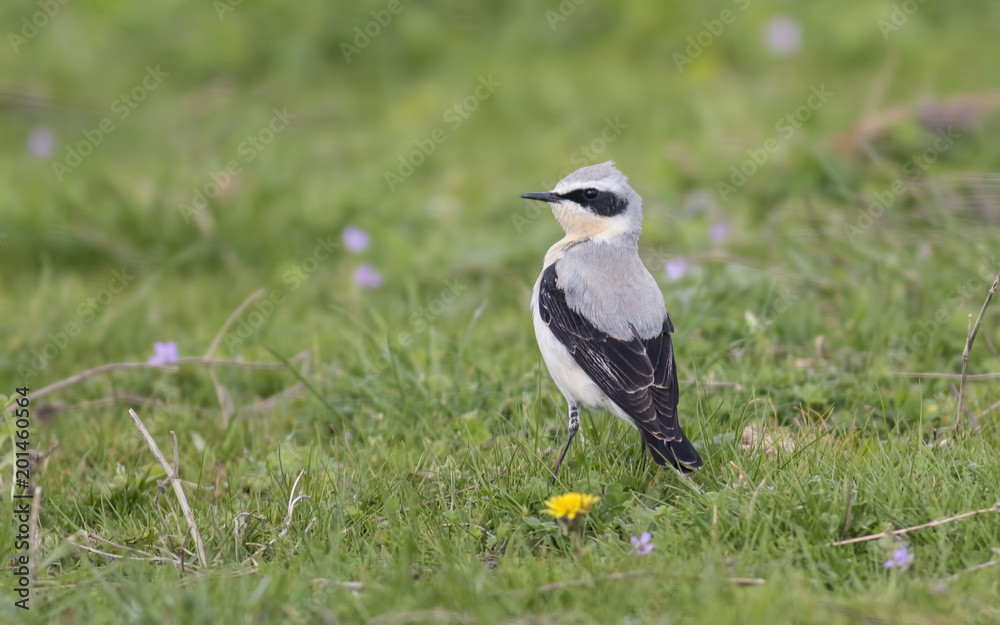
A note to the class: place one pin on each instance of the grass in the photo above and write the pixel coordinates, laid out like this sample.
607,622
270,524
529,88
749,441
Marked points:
428,434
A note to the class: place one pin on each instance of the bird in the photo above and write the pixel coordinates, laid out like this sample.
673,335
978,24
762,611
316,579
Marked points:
600,320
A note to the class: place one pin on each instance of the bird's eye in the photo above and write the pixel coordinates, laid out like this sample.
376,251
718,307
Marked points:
590,193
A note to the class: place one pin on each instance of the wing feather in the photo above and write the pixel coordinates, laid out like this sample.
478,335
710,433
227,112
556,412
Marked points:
638,375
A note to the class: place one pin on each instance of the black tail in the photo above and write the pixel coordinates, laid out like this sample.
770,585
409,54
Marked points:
679,454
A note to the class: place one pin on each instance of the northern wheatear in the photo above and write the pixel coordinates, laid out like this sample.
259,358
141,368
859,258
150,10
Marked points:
599,316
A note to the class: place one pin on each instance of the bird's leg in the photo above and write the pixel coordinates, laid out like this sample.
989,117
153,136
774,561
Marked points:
574,425
646,451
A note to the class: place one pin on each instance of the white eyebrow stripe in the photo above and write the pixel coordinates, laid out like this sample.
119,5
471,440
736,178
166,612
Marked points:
600,185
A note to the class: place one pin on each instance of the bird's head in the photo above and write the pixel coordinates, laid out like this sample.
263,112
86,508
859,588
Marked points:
594,202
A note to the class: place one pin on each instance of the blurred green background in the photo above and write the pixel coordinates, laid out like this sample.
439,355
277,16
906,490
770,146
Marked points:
856,247
561,77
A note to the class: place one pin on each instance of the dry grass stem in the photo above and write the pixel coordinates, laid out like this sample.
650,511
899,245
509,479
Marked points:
946,376
36,537
995,508
286,523
969,340
175,481
225,402
127,366
614,577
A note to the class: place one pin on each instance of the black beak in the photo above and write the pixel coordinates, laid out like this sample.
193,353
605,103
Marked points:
544,197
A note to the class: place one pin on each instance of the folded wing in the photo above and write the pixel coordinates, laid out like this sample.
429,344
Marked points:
638,375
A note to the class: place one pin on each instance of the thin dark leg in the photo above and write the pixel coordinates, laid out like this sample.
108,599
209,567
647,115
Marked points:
574,425
646,452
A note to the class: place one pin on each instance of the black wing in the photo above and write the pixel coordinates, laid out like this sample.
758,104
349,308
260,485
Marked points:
638,375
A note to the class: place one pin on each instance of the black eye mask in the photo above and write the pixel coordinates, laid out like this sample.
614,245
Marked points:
605,204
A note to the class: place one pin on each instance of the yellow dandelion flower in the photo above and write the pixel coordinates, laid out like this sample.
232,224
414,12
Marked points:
569,505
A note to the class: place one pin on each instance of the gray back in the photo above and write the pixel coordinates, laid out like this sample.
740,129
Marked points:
607,283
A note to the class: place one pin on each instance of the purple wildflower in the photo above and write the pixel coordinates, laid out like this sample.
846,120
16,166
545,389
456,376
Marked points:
719,232
784,36
40,142
164,353
355,239
643,545
901,558
367,278
676,269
